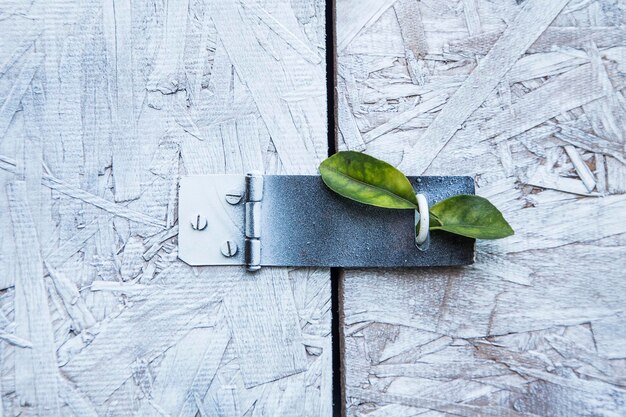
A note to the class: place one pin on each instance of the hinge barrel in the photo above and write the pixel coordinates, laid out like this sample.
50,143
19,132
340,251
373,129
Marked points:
252,220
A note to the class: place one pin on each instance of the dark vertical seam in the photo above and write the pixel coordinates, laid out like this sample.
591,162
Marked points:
335,273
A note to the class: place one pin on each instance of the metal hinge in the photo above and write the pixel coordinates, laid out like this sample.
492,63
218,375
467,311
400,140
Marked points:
295,220
252,220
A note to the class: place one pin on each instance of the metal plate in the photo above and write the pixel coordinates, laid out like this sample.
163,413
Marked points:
303,223
205,196
306,224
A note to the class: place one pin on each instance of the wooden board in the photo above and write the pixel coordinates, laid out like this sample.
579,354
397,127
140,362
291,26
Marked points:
103,105
528,96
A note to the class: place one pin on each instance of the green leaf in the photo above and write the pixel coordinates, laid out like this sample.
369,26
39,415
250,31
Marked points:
434,220
368,180
471,216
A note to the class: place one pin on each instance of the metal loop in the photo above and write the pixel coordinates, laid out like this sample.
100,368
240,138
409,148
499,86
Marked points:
422,219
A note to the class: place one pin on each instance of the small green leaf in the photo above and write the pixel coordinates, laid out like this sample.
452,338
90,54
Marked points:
434,220
471,216
368,180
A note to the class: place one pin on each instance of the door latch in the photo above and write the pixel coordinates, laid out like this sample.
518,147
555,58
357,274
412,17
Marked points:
295,220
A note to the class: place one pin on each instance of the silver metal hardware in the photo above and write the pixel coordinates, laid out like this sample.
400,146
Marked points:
199,223
229,248
422,223
234,197
253,254
252,217
206,194
295,220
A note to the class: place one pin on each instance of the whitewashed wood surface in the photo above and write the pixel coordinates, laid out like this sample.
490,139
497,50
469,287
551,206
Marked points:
103,105
528,96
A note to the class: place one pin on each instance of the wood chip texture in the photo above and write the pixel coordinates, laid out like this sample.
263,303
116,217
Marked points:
527,97
104,104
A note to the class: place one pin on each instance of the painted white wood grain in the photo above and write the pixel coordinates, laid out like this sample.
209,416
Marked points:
535,327
103,106
36,373
561,94
560,36
355,15
532,19
126,149
11,102
267,81
414,38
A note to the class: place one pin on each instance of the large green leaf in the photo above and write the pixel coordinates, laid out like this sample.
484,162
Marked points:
471,216
368,180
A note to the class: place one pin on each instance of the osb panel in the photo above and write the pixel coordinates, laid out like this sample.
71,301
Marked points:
528,96
104,104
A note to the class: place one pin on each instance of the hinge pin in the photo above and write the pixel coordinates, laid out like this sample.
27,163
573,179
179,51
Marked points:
252,216
199,223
